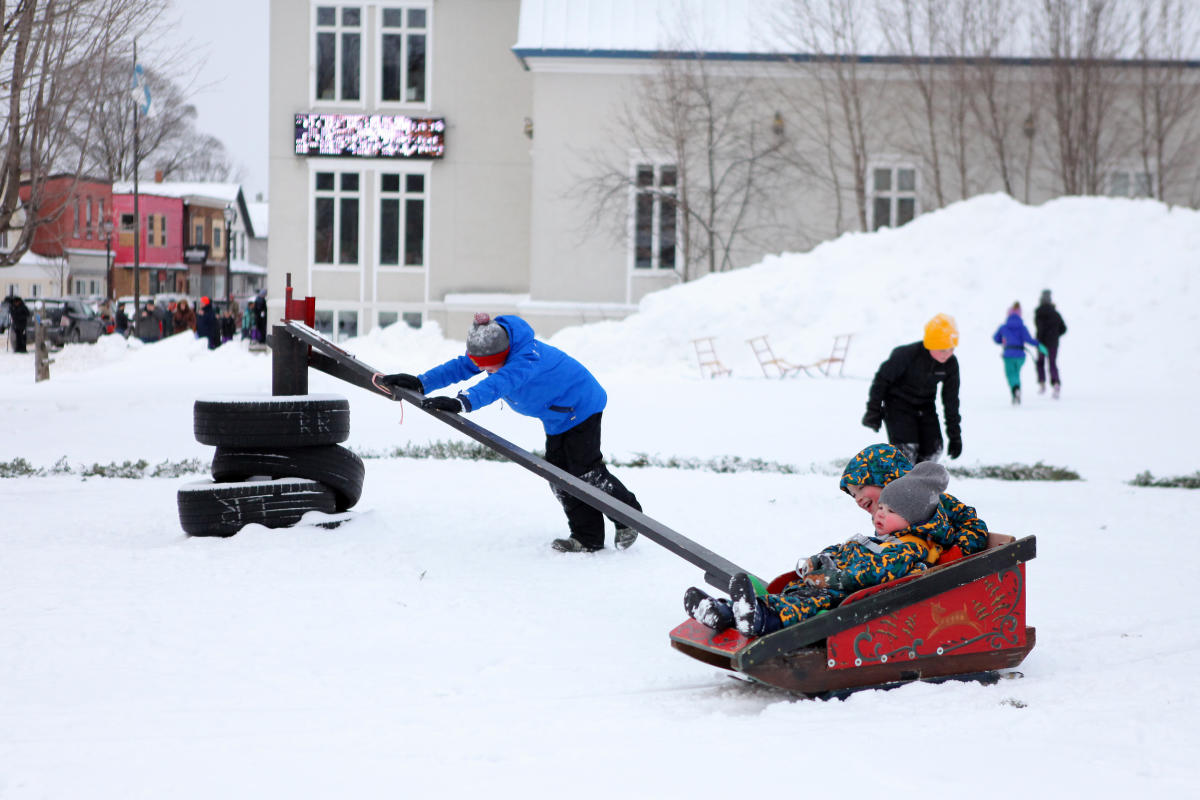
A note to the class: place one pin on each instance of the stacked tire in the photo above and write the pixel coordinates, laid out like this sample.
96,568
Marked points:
277,458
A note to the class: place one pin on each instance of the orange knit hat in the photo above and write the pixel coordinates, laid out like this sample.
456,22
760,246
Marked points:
941,333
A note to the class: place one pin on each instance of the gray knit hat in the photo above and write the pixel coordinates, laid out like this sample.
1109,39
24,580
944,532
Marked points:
487,341
915,494
1045,298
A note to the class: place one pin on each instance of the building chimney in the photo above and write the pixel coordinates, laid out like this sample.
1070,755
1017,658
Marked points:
158,176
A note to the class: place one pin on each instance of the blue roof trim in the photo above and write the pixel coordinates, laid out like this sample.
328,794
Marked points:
524,53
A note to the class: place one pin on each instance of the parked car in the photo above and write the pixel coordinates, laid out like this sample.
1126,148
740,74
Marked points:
66,319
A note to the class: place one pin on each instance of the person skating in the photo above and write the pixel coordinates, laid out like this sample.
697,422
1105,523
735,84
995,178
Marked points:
1014,336
1048,327
904,391
539,381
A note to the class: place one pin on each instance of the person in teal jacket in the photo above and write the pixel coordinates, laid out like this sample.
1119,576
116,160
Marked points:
539,381
1014,336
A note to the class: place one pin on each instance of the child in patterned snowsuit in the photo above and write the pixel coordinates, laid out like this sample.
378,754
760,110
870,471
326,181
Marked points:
878,465
952,525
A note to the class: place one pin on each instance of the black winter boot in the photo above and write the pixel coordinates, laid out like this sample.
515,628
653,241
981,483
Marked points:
710,611
747,611
1016,395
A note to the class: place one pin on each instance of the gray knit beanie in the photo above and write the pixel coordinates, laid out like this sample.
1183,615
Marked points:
486,340
1045,299
915,494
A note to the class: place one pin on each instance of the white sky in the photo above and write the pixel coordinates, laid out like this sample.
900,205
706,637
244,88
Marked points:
231,38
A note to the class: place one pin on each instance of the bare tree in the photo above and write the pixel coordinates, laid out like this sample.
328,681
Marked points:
706,123
1167,125
831,35
168,141
1083,40
48,50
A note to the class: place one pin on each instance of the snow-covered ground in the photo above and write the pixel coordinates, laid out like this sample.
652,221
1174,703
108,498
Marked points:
437,644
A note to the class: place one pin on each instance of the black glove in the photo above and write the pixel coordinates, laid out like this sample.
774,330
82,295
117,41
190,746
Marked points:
450,404
873,420
402,380
954,449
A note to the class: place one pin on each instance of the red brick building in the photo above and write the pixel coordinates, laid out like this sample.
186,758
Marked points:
72,210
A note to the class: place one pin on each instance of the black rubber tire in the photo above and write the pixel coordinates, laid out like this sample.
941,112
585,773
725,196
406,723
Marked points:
331,464
223,509
272,421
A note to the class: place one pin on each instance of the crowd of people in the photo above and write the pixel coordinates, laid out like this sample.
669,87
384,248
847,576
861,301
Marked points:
156,321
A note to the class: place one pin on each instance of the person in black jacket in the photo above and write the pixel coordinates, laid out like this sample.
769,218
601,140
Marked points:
905,387
1049,326
19,313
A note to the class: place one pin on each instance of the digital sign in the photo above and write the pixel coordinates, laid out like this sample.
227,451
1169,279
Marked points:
370,136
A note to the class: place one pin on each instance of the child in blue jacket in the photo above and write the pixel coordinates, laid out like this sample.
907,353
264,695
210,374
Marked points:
1014,336
540,381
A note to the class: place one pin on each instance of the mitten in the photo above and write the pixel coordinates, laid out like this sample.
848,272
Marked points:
402,380
450,404
873,419
1042,349
954,449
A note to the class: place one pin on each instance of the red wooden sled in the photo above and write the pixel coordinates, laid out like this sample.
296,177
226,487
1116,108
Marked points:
965,619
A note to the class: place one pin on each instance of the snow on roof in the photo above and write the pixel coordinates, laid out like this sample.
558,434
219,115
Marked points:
730,26
258,218
225,192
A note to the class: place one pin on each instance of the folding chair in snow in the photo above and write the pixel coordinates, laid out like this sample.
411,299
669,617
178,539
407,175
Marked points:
706,354
769,361
841,347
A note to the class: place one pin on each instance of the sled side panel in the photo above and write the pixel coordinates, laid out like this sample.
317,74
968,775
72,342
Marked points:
983,616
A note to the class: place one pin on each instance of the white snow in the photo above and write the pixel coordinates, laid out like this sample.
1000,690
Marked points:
436,644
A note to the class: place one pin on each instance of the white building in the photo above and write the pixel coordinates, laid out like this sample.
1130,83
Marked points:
513,107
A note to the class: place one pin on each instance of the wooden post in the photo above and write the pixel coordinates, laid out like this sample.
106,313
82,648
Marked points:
41,353
289,363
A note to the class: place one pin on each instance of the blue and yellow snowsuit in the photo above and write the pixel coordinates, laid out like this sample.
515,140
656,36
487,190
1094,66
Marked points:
868,560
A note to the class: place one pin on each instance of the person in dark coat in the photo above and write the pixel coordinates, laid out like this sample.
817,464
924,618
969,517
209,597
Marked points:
149,327
19,313
538,381
1014,336
1048,327
122,320
259,307
904,391
207,325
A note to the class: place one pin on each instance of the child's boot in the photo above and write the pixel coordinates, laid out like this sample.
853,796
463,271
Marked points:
1016,395
706,610
1041,387
747,611
1056,390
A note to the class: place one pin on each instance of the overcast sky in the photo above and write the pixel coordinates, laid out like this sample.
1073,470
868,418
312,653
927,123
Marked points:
230,38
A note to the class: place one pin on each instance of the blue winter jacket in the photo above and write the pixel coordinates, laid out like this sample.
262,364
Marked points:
1014,336
537,380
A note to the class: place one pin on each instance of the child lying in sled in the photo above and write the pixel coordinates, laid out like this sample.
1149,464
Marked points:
908,519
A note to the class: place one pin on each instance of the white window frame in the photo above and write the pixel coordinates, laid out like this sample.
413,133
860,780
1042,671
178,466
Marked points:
377,61
894,193
338,29
656,267
338,169
413,168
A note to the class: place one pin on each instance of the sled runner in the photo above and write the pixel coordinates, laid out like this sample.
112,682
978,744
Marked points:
965,619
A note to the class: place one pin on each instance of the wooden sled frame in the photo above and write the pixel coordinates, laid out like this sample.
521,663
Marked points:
965,619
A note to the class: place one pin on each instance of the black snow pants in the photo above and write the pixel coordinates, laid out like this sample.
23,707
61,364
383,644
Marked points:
577,451
915,430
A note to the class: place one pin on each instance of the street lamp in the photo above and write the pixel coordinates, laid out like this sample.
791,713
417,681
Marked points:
107,227
230,214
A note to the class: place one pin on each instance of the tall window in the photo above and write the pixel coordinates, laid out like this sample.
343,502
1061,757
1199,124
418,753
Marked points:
655,216
339,52
88,207
402,219
150,229
403,38
162,230
893,196
199,233
335,218
78,217
216,236
1130,183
